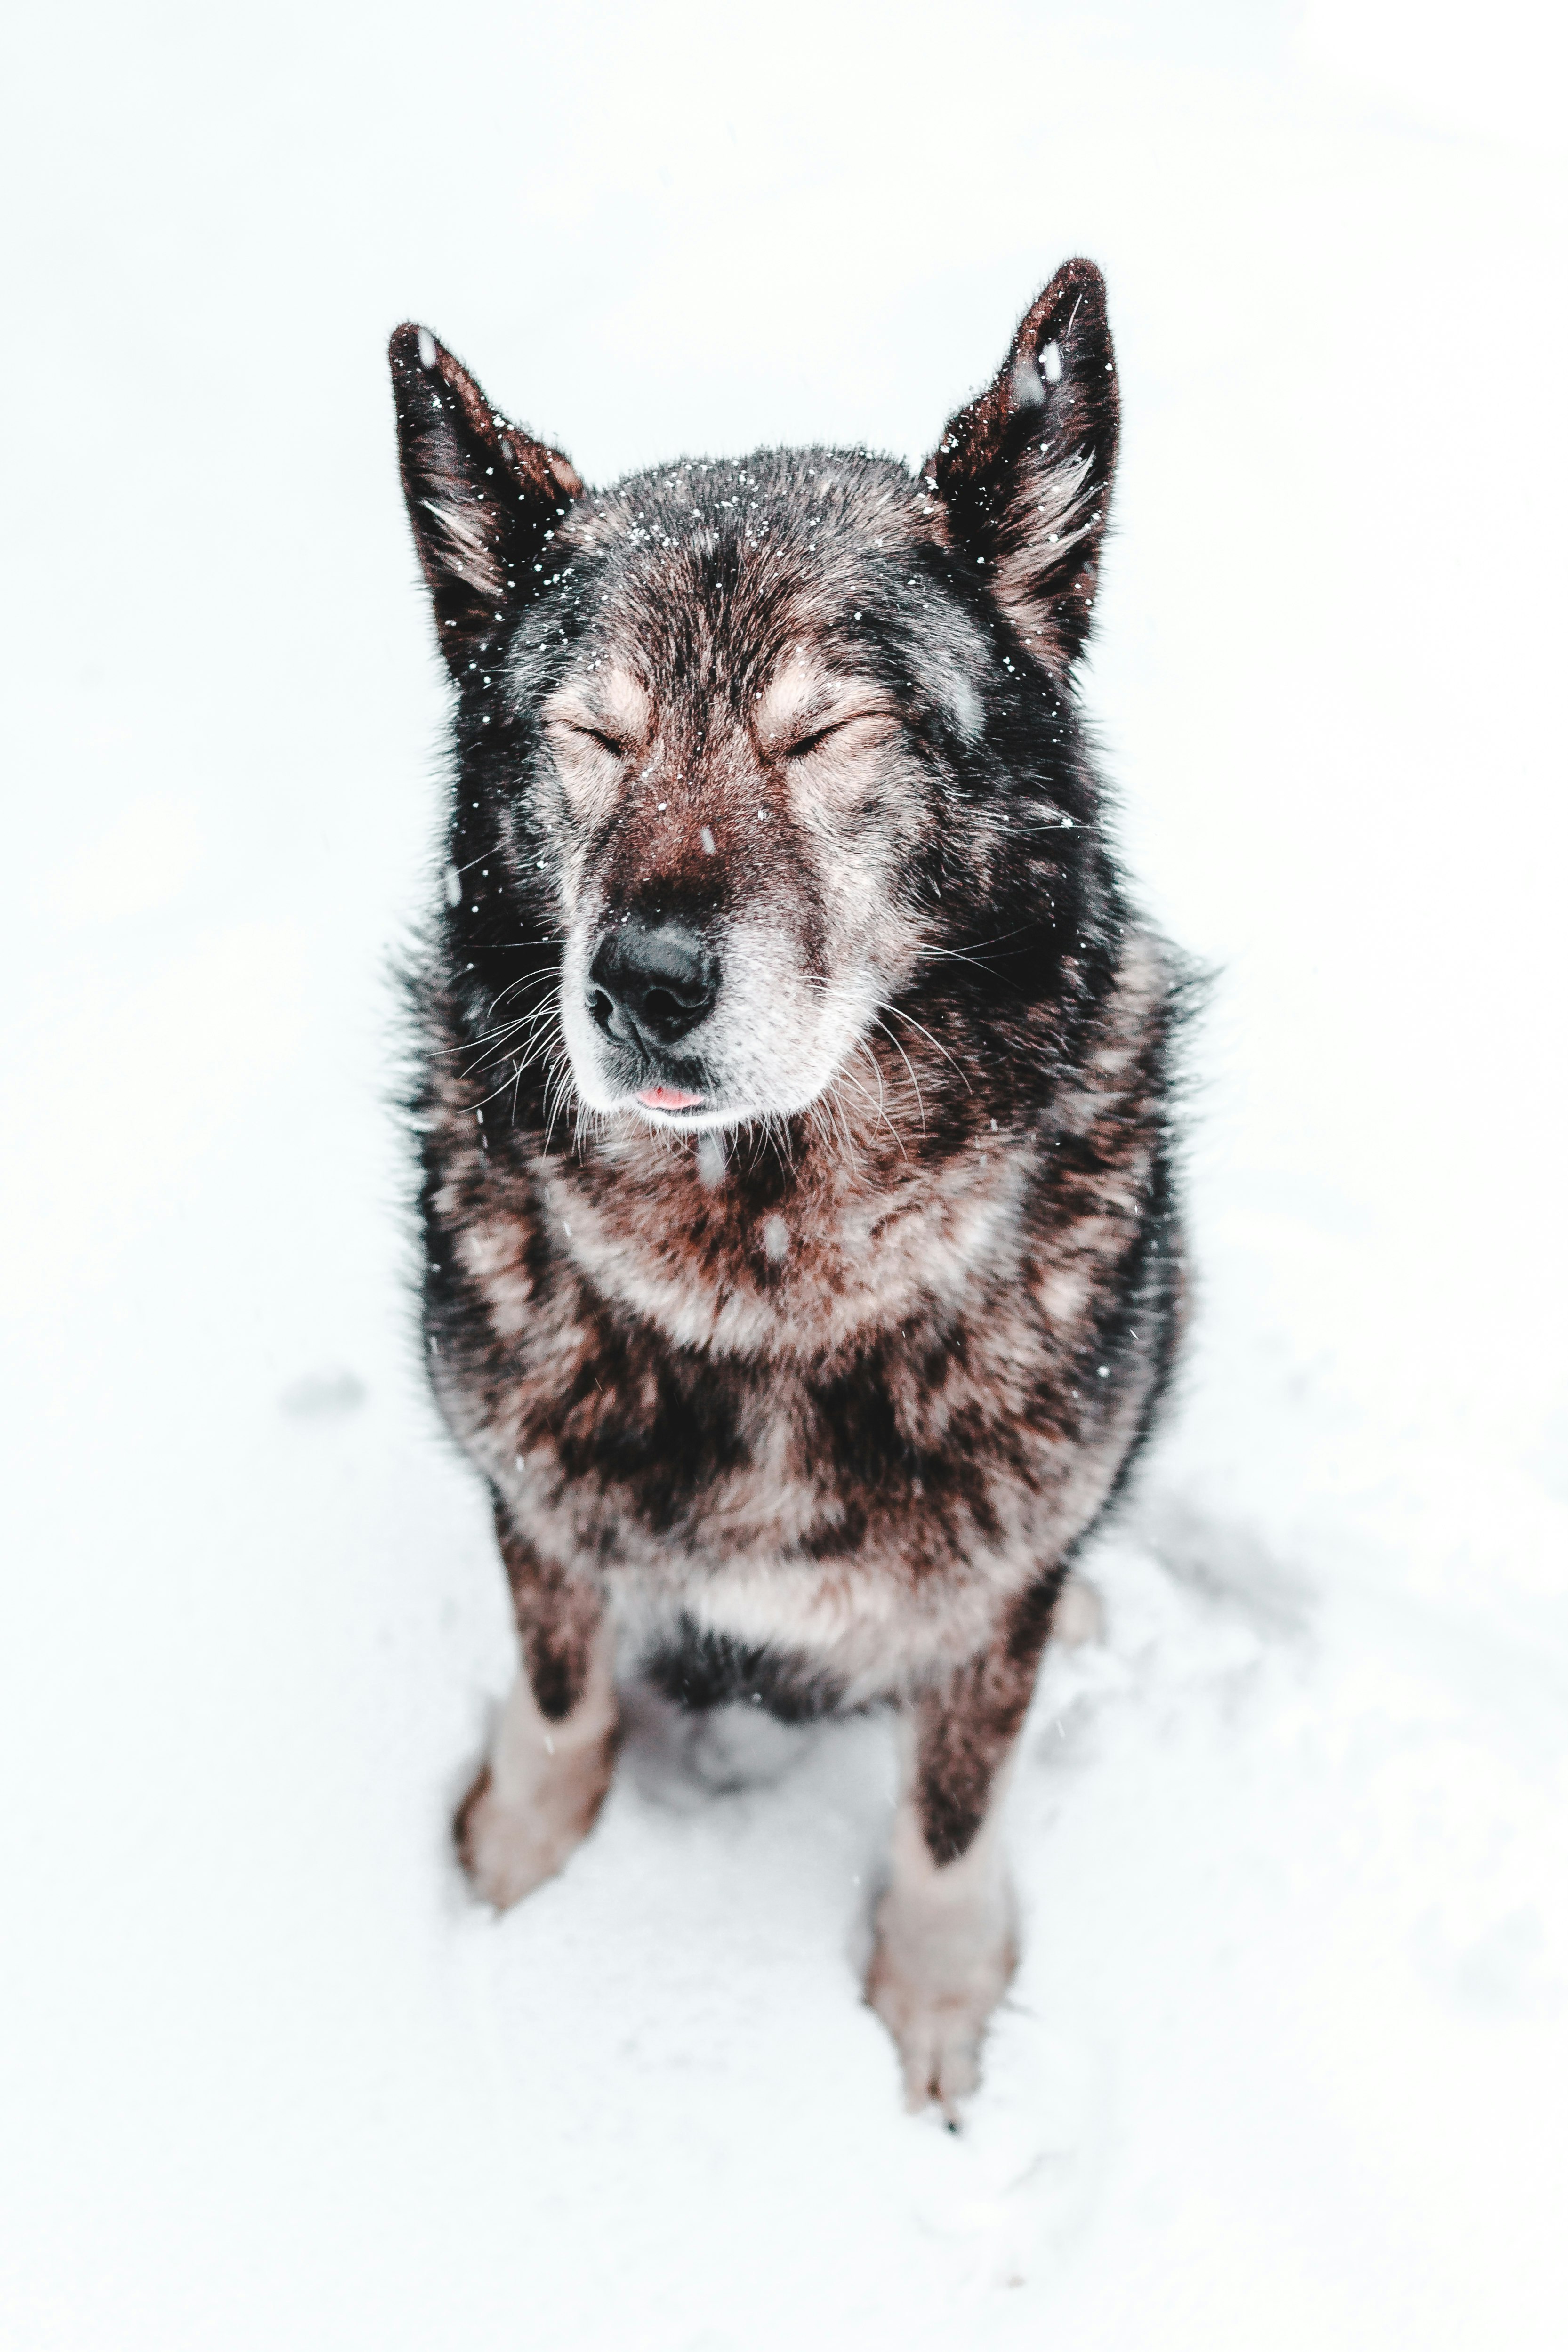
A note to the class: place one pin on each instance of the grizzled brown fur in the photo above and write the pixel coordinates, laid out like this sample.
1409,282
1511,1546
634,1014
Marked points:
802,1263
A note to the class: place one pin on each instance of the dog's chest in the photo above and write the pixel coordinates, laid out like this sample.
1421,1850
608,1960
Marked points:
663,1372
799,1271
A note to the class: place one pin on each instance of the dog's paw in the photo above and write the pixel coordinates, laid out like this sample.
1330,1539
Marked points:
516,1827
935,1993
504,1850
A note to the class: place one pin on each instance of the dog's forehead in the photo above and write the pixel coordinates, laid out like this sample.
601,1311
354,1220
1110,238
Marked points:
734,585
723,606
733,535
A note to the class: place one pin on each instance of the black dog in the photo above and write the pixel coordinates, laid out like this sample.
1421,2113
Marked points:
803,1269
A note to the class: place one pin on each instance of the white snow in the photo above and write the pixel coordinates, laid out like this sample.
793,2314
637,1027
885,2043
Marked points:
1288,2059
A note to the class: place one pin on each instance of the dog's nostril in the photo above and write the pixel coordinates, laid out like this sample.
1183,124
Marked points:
652,982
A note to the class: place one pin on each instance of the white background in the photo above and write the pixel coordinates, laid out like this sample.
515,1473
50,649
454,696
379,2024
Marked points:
1288,2059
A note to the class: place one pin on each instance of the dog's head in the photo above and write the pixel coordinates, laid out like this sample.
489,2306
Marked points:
745,746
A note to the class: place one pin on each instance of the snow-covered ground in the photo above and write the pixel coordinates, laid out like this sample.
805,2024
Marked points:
1287,2062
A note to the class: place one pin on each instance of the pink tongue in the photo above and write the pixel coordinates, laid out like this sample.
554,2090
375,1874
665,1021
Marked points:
668,1099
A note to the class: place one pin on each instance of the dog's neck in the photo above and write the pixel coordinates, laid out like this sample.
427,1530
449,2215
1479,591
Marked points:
803,1244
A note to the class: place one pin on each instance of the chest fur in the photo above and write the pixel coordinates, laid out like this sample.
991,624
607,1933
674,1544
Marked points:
910,1368
903,1387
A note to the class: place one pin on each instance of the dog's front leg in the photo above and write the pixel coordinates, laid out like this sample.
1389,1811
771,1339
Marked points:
554,1749
945,1950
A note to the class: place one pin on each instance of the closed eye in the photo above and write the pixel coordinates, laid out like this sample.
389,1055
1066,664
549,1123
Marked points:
806,745
605,743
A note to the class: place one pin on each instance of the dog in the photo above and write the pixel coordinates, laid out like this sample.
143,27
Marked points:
803,1258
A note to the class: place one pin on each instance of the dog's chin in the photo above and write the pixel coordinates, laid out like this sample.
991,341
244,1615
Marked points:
698,1119
707,1114
713,1115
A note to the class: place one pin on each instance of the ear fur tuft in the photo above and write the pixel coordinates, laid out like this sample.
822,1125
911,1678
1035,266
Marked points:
1025,470
481,492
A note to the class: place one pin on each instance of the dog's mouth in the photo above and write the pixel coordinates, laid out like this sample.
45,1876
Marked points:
670,1099
683,1109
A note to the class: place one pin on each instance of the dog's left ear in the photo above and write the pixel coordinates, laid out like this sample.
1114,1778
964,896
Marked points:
482,493
1024,472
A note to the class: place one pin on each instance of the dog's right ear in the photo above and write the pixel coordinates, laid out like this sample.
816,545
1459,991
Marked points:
481,492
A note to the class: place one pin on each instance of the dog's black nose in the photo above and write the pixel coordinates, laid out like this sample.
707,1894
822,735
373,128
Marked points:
652,981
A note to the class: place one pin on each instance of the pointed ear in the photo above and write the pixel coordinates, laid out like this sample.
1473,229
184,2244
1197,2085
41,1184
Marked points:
481,492
1025,470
